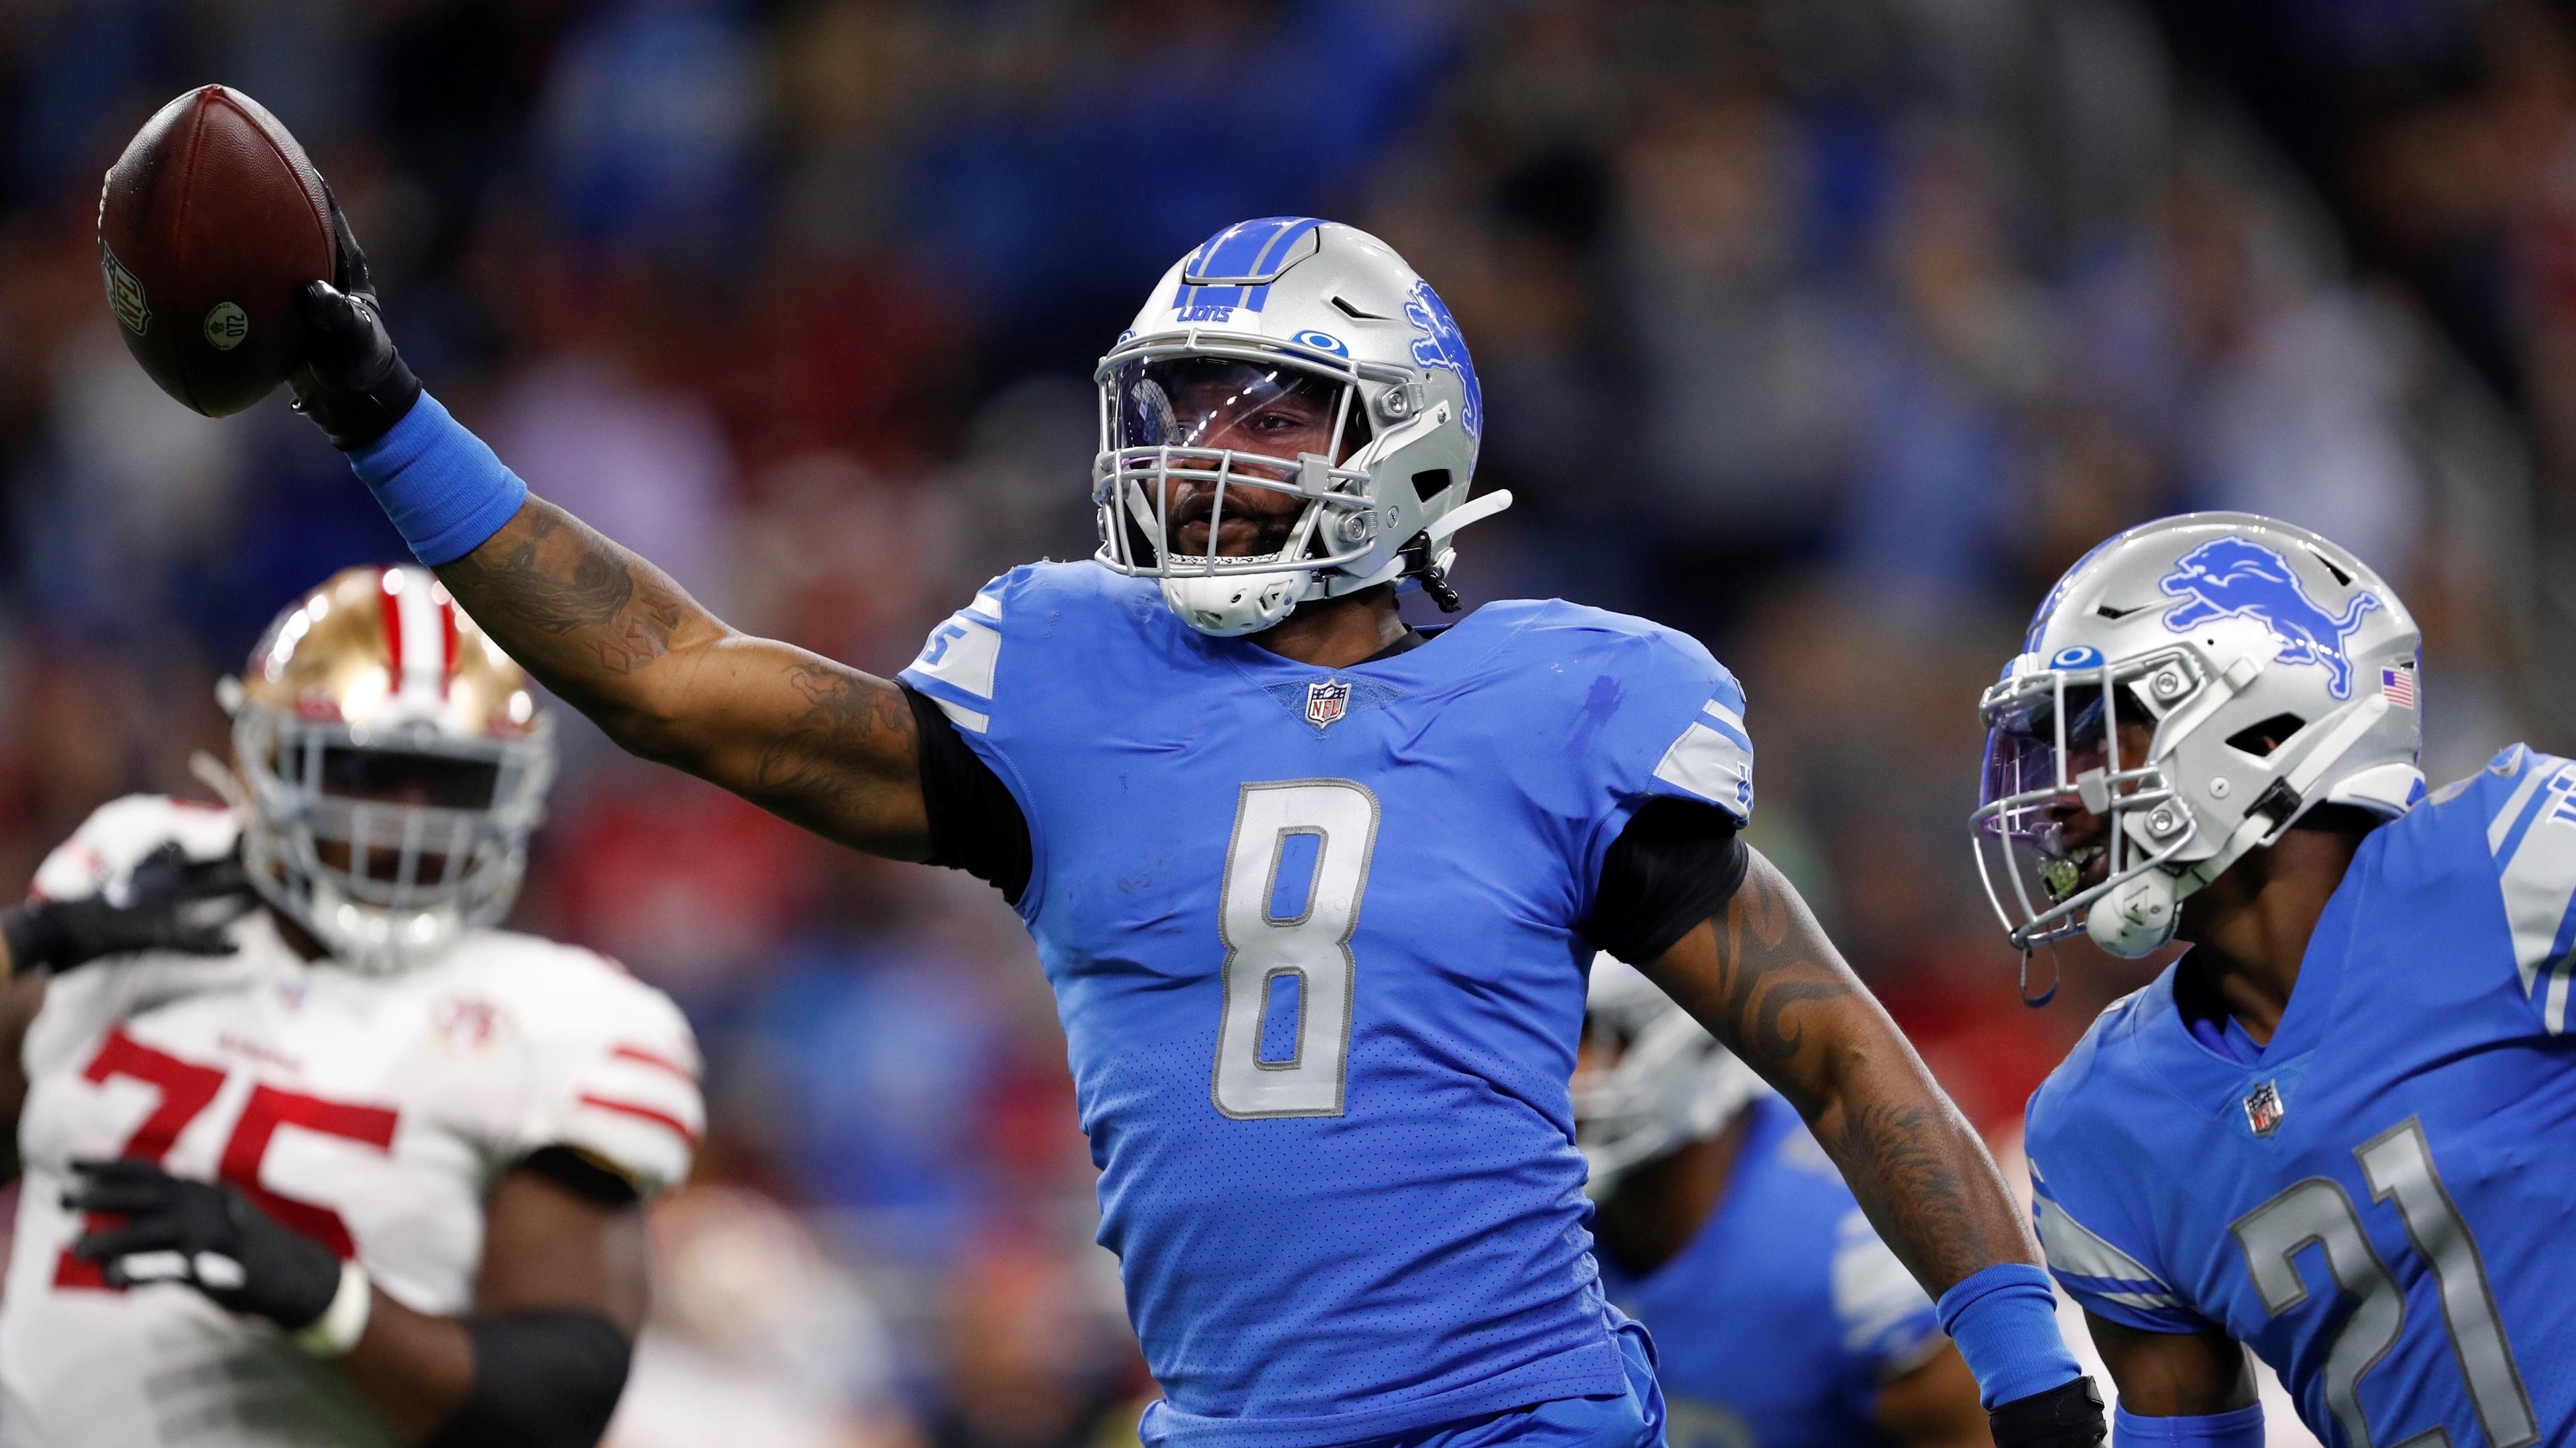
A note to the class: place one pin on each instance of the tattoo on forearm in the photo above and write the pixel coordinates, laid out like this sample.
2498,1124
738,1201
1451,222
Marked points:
553,574
804,770
1782,999
1762,974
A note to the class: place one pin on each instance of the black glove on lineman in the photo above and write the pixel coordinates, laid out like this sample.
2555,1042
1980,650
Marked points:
353,383
205,1235
161,912
2069,1416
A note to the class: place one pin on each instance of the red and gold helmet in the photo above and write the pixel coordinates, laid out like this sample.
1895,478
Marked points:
396,761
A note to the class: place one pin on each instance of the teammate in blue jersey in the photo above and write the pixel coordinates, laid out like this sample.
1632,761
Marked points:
1315,892
2338,1129
1780,1318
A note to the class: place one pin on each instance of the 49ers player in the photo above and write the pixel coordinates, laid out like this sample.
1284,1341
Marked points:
353,1167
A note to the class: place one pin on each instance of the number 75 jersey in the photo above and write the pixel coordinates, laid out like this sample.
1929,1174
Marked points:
372,1113
2380,1200
1314,937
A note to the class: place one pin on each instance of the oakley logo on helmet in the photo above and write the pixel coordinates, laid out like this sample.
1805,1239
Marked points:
2233,577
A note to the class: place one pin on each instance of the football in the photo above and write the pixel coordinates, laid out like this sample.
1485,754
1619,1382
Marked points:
209,225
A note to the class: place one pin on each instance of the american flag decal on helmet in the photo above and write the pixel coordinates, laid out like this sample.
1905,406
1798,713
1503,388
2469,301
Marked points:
2398,686
2264,1108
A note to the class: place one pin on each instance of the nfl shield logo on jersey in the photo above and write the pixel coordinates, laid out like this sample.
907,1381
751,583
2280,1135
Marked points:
1327,701
2263,1108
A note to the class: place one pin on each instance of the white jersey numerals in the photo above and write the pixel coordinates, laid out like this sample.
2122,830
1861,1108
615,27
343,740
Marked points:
2316,1212
1295,869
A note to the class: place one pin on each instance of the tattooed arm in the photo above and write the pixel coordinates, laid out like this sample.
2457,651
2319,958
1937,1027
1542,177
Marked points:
1765,980
824,746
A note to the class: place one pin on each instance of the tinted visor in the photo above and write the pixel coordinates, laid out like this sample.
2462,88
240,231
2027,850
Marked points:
1267,409
400,776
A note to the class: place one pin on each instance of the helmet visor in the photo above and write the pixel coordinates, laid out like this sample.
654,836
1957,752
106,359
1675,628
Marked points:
1255,410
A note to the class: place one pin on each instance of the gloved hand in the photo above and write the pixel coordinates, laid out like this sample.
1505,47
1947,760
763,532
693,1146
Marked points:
204,1234
161,911
353,384
2068,1416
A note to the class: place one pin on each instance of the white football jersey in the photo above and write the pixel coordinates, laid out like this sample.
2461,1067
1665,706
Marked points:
371,1112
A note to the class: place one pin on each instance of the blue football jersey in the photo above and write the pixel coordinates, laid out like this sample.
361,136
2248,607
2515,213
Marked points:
1781,1320
2379,1200
1312,937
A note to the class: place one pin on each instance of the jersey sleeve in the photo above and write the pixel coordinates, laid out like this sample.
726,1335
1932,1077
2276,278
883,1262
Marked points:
1882,1318
2093,1247
121,834
959,665
614,1077
2527,801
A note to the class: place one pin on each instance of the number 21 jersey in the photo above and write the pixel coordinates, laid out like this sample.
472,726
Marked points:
2377,1200
1314,939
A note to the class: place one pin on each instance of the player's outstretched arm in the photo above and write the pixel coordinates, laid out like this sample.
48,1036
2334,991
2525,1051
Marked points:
1764,979
825,746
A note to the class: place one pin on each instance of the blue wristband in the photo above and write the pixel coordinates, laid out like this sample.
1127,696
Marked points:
2004,1320
445,490
2242,1428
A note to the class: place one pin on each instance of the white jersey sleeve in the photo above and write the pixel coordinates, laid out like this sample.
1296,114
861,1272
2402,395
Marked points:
611,1068
101,855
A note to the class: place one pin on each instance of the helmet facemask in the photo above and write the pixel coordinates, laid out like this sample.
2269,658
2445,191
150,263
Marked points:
1189,432
2053,747
387,843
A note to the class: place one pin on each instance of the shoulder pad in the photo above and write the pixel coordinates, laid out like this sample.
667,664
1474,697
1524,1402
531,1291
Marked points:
613,1067
1667,715
121,833
2525,804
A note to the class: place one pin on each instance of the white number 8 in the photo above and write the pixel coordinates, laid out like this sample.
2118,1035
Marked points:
1311,947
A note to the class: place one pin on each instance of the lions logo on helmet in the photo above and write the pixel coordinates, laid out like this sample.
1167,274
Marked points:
1290,379
2232,642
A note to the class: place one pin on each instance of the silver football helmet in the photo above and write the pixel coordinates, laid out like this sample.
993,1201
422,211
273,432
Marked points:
1671,1083
1298,358
2274,671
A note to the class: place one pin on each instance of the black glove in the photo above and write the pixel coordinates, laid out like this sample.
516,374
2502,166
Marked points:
2067,1416
210,1237
164,909
353,383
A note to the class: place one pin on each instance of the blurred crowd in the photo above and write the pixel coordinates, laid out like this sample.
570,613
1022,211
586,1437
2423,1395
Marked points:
1830,330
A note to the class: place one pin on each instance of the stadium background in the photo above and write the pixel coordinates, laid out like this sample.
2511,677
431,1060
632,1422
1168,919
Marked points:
1831,330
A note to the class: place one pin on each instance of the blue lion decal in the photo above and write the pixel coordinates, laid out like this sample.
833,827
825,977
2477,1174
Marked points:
2229,577
1440,345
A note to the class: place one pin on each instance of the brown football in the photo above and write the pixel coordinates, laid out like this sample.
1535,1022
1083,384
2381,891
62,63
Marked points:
209,225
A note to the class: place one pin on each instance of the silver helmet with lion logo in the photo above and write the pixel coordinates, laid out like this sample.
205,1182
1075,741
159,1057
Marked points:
2266,672
1296,374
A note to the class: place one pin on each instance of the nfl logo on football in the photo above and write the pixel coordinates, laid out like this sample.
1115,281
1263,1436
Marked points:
1327,702
2263,1109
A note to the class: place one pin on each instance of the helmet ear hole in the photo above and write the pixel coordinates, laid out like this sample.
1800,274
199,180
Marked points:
2261,739
1430,483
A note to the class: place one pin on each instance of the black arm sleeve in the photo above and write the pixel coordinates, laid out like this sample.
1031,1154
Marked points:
975,825
1675,865
541,1380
